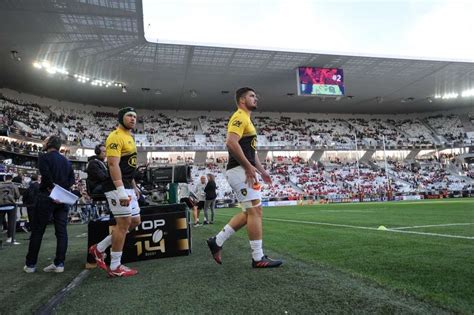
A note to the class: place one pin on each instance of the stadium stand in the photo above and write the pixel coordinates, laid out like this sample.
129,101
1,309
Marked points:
450,127
88,128
292,176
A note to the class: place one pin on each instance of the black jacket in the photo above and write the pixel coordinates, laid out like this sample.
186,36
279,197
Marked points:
55,169
31,194
97,173
210,190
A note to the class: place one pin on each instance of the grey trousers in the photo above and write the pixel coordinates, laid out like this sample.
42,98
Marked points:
209,204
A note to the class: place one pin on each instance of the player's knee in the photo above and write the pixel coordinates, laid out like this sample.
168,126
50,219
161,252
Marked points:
122,229
135,222
253,207
123,224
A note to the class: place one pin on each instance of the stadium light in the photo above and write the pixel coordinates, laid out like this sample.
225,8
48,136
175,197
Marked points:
467,93
81,78
448,96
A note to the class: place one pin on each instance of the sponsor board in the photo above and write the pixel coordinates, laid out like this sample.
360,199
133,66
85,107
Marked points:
163,232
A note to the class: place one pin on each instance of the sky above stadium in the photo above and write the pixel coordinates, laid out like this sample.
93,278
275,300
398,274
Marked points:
414,29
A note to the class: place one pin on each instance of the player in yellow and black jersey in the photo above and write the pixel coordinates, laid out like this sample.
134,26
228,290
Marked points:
241,174
241,124
121,192
121,144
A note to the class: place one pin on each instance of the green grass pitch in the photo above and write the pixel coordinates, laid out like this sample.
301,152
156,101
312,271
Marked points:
336,261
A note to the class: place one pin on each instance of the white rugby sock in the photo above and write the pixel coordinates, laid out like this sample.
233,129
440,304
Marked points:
257,250
115,260
223,235
105,243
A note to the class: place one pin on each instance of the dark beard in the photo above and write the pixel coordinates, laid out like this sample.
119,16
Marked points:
251,108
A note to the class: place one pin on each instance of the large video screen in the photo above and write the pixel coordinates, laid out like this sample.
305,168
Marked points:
320,81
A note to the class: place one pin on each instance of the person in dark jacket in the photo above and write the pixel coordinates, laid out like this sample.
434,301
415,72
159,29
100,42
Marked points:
54,169
29,198
97,172
17,179
211,196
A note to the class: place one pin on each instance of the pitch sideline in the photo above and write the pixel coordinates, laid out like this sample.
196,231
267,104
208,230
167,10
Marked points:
363,228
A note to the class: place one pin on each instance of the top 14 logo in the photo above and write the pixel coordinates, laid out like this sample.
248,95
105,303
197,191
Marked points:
150,243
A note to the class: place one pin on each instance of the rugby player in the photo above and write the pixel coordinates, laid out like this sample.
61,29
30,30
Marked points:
241,174
121,192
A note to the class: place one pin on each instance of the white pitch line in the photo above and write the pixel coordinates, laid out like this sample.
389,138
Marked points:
433,225
364,228
433,234
348,211
427,201
371,228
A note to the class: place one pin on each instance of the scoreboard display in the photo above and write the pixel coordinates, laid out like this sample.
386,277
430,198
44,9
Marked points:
315,81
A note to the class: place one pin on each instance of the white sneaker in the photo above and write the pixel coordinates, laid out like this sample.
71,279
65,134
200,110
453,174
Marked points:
29,269
11,242
54,268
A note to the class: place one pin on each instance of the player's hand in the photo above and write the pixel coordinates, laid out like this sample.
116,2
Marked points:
251,176
124,202
124,198
266,178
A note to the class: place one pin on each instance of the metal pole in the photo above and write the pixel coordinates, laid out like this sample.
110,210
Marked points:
357,157
385,160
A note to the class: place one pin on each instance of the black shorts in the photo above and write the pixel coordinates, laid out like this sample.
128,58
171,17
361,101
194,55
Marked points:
200,205
188,202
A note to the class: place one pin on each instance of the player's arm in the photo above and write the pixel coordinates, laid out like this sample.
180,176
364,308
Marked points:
113,146
232,143
265,176
116,175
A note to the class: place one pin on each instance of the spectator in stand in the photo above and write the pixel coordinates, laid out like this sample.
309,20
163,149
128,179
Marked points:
211,196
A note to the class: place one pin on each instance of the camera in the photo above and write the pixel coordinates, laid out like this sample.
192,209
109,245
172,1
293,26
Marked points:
155,181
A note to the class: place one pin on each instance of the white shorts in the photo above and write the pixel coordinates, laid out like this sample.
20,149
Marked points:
236,179
119,211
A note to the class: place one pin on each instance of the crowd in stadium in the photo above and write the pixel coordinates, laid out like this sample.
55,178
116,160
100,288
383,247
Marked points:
292,176
88,128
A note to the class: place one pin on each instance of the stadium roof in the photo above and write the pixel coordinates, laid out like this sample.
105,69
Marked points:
104,39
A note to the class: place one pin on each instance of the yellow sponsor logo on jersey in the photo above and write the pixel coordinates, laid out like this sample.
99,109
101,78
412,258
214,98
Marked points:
132,161
236,123
254,143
